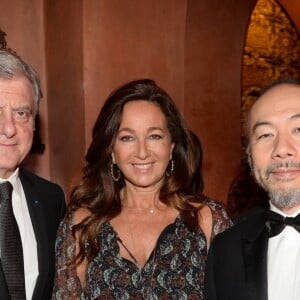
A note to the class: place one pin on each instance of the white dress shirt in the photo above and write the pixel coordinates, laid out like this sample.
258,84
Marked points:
29,245
284,263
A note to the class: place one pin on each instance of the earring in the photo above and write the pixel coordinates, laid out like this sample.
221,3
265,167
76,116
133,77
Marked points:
172,168
115,178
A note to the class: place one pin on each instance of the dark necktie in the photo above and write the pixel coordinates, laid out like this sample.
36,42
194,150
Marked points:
275,223
11,246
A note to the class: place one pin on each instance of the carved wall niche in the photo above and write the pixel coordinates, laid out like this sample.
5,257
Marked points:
272,51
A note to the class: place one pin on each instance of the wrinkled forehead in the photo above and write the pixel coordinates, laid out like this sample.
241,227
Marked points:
276,105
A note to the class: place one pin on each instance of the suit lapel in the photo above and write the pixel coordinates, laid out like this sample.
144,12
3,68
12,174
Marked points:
38,222
3,287
255,245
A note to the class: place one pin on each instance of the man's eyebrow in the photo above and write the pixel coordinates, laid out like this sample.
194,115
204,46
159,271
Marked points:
22,107
262,123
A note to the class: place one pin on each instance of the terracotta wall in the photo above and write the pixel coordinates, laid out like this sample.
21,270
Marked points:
213,56
66,104
84,49
126,40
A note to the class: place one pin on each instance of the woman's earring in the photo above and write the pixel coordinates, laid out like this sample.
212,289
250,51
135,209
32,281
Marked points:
112,173
171,168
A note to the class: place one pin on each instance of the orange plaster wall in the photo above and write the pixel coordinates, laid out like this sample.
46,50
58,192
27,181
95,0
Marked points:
214,47
126,40
63,46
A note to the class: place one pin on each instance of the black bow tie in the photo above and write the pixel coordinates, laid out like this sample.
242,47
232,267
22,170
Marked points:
275,223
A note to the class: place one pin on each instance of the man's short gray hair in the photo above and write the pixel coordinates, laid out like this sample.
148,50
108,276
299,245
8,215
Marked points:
12,65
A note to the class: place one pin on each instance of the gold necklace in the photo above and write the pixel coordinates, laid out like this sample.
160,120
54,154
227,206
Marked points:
151,210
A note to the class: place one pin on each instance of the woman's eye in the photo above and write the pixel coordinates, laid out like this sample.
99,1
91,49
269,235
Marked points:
155,137
126,138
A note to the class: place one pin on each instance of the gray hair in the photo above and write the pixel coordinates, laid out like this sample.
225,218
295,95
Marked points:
11,64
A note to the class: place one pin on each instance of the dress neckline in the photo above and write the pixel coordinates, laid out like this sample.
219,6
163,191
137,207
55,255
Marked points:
134,260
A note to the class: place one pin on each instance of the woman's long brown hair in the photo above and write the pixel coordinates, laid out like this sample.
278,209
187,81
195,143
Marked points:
100,195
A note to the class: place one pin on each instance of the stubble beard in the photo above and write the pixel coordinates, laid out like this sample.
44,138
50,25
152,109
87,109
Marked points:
284,199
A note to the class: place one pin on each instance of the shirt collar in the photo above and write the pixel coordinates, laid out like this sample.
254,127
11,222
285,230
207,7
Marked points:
14,180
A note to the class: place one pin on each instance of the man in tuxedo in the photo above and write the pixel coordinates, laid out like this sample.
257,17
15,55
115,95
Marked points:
36,205
258,258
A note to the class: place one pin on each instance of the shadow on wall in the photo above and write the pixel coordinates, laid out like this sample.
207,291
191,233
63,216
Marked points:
244,193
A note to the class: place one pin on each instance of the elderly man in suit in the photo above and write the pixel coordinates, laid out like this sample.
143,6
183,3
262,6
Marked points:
258,259
30,207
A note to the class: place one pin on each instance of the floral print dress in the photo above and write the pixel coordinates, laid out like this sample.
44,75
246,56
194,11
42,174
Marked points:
175,269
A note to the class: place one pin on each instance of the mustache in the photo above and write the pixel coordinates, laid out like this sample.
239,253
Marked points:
287,165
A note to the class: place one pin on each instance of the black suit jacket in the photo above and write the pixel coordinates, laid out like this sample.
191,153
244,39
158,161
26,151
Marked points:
237,261
46,204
